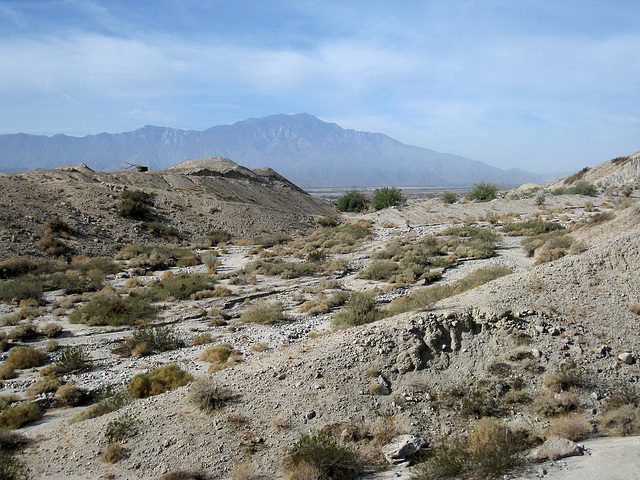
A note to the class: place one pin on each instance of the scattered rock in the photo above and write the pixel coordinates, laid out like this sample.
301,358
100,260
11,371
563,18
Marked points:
627,358
556,448
402,446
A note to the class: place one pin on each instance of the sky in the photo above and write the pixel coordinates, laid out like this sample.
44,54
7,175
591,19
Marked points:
547,86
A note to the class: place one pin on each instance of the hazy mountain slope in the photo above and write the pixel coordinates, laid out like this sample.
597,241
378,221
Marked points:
303,148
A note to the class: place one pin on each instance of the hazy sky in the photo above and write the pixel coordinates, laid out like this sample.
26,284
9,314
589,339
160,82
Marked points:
541,85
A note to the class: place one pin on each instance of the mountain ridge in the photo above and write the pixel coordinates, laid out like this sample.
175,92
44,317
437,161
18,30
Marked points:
303,148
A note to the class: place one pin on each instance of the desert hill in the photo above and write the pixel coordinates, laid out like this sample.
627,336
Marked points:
193,197
554,340
306,150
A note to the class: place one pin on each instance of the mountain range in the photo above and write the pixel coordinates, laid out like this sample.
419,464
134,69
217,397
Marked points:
303,148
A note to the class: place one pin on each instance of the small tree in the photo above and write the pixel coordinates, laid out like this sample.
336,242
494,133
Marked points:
352,201
386,197
483,192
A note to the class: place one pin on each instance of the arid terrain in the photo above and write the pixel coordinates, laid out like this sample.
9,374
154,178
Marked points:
441,326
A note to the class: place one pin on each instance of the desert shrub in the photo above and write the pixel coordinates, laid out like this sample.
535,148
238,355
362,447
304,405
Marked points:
220,356
51,345
352,201
52,330
566,378
583,188
547,247
386,197
476,233
44,385
576,176
531,227
182,286
110,401
552,404
68,395
17,267
112,309
120,428
11,468
379,270
330,220
113,453
158,381
134,204
25,357
75,281
149,339
73,360
143,258
16,417
490,451
87,264
424,297
601,218
449,198
202,339
483,192
7,371
360,309
183,475
53,246
56,226
330,457
208,396
620,421
264,313
26,287
26,331
218,236
159,229
575,427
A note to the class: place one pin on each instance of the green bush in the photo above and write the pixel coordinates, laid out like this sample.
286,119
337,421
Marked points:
449,198
182,286
330,457
352,201
206,395
43,385
483,192
386,197
360,309
112,309
16,267
148,339
73,360
379,270
217,236
161,230
52,330
583,188
264,313
75,282
158,381
25,357
109,401
16,417
134,204
26,287
120,428
68,395
56,226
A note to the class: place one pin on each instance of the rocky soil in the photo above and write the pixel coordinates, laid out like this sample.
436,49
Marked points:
384,376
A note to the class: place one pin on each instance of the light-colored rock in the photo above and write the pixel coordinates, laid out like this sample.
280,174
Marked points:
556,448
401,447
627,358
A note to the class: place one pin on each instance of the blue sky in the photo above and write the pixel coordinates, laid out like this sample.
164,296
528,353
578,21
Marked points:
542,85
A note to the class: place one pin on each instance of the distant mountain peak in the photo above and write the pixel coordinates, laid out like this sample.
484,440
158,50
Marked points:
306,150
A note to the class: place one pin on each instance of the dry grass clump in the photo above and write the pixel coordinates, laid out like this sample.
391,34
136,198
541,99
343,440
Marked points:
552,404
68,395
490,451
52,330
183,475
259,347
574,427
203,339
110,402
44,385
360,309
7,371
263,313
323,304
547,247
25,357
182,286
148,339
566,378
113,453
206,395
621,415
26,331
158,381
16,417
220,356
325,454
